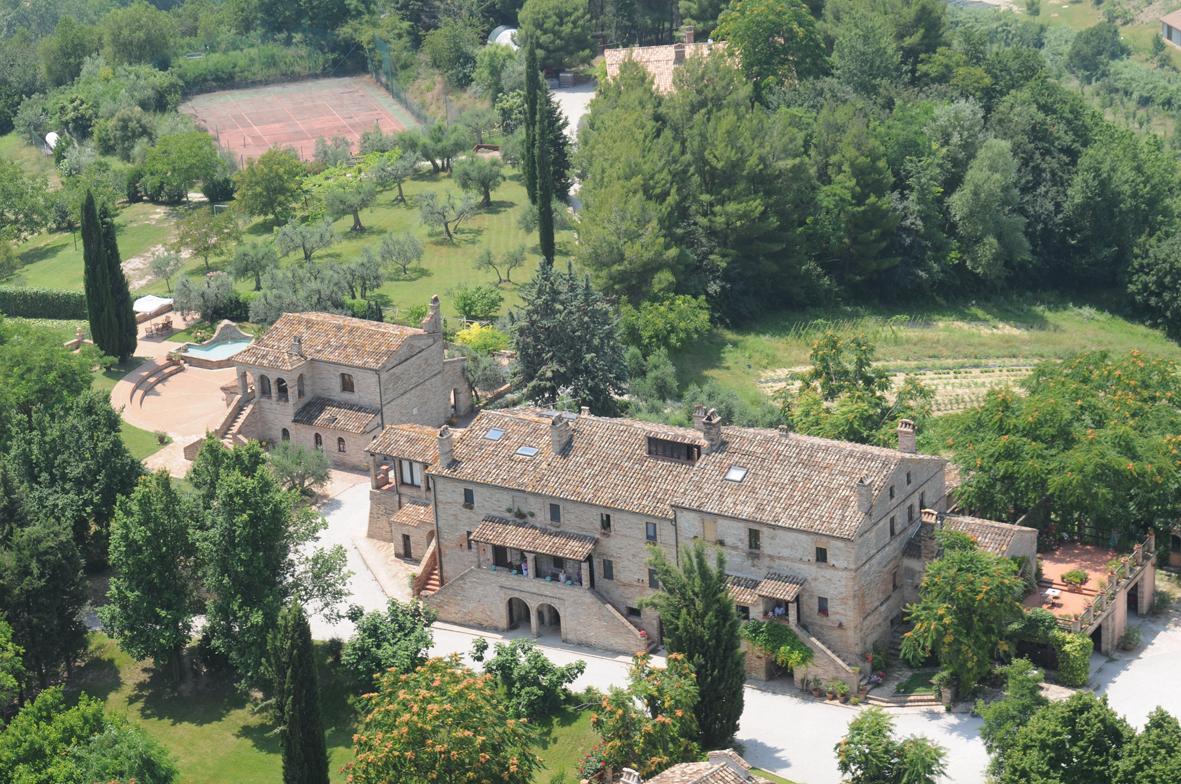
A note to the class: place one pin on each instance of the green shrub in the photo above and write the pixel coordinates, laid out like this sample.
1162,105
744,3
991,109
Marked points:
777,641
263,63
1131,639
42,303
1075,577
1074,658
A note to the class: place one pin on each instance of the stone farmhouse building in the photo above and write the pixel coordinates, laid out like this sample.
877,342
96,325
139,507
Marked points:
545,520
333,382
661,61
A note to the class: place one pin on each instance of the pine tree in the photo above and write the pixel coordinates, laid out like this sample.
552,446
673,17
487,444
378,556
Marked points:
126,331
532,95
545,182
305,754
99,305
559,147
700,622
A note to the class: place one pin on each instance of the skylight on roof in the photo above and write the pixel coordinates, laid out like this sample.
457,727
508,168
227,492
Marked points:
735,474
494,434
527,451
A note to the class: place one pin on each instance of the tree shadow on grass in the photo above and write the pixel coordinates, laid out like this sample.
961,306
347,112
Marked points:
202,699
99,676
43,252
414,273
498,206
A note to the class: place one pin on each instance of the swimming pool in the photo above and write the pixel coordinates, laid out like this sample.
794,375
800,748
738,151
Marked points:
216,351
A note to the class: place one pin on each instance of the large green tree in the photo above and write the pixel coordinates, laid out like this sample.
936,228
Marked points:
24,207
566,341
990,233
870,754
1005,717
967,599
12,668
176,163
1076,741
108,299
271,185
1154,757
152,595
699,622
776,40
138,33
560,30
396,638
42,589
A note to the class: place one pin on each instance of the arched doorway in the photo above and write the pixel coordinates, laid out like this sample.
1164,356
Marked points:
518,613
549,620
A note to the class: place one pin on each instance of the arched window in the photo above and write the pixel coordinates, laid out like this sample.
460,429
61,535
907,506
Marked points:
264,386
340,447
285,435
299,386
281,390
346,382
319,442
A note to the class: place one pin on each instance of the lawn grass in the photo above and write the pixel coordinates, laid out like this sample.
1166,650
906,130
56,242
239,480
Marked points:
53,261
1003,331
917,683
65,329
32,161
771,776
566,739
211,731
141,443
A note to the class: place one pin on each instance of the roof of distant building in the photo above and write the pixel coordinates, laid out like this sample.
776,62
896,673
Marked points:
1173,19
789,480
989,535
412,442
326,337
415,515
659,61
335,415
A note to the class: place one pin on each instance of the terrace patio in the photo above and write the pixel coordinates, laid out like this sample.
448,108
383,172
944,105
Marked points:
1114,584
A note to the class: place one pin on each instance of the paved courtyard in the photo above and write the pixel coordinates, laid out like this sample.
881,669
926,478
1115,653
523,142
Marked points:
781,731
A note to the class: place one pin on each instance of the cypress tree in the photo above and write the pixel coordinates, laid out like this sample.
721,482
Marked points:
96,284
305,753
699,621
126,329
545,183
532,96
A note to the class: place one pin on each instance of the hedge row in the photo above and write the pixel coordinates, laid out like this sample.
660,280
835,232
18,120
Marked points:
1074,658
256,65
42,303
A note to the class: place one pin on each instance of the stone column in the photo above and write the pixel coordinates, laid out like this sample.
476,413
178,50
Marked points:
533,575
1146,589
584,573
373,471
243,385
534,626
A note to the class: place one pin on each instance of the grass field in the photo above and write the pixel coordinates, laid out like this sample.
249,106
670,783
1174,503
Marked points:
961,350
216,737
34,162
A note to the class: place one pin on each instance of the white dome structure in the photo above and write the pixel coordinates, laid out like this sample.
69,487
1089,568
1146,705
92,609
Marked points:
504,36
51,140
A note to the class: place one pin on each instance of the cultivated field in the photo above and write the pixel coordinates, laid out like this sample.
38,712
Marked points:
961,351
250,121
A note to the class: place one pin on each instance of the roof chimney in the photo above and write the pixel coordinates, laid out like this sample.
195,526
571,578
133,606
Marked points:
711,426
582,412
297,345
689,33
559,433
678,54
433,322
864,495
699,417
906,436
446,451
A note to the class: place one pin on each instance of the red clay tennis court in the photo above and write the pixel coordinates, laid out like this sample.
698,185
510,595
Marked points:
250,121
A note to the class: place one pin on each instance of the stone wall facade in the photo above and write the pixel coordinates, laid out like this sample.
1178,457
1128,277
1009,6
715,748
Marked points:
577,614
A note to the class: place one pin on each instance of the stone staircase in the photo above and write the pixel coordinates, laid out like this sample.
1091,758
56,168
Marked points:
431,582
232,435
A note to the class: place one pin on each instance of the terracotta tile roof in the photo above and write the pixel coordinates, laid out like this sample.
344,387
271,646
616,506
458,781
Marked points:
415,515
335,415
1173,19
659,61
326,337
793,481
412,442
780,586
989,535
522,536
699,773
742,589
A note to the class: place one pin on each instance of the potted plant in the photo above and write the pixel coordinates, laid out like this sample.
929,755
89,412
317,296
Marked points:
817,689
1075,579
842,691
830,690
